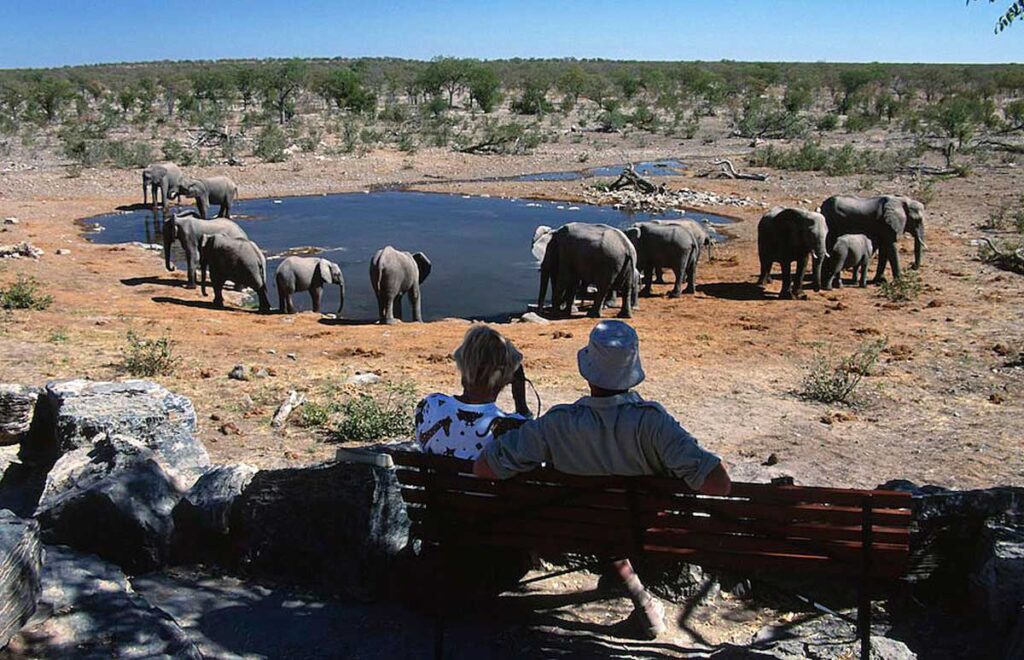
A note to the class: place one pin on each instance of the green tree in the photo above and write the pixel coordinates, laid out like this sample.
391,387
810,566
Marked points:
444,73
1014,12
343,87
280,83
533,100
573,82
958,117
484,87
49,94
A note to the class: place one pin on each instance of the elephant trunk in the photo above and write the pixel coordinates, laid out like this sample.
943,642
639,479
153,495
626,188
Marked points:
341,298
918,247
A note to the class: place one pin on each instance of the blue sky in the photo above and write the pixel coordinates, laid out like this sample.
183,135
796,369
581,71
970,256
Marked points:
60,32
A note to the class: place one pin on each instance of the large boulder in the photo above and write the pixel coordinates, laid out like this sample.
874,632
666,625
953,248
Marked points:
88,610
17,403
998,580
202,518
21,556
72,413
113,498
341,526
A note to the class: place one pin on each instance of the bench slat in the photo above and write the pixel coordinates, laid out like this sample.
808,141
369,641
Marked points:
812,564
442,528
532,494
884,499
471,510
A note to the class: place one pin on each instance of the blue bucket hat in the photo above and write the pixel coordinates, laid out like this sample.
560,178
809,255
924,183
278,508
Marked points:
611,359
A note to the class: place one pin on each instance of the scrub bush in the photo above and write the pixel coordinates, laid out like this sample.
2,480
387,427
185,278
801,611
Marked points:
834,381
367,417
148,357
24,293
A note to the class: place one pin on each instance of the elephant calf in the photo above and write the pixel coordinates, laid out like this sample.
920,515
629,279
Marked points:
850,251
785,235
394,274
212,190
236,259
307,274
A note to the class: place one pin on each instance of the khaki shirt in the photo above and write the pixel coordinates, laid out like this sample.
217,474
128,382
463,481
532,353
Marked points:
617,435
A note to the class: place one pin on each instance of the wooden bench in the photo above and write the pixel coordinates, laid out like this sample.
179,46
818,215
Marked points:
859,535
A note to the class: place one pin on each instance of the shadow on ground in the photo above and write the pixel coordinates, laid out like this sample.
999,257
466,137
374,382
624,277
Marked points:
733,291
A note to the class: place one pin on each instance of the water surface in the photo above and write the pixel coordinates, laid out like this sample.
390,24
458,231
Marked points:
479,246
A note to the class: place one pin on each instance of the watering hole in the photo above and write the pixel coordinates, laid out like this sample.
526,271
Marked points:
479,246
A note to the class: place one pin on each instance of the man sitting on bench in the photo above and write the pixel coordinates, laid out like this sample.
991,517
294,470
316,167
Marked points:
611,432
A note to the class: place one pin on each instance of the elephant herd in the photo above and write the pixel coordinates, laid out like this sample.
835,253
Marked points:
846,233
221,248
168,180
577,260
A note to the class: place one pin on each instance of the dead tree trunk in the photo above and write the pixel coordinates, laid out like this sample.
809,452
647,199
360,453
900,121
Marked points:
630,179
727,171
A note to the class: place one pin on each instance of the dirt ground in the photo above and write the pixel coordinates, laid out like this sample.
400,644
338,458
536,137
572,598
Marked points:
944,406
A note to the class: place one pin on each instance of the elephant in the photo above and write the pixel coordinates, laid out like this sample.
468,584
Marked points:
849,251
882,219
307,274
594,254
785,235
188,228
236,259
393,274
666,246
211,190
702,239
163,177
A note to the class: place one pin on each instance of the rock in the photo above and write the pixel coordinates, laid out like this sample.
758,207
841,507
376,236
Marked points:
824,638
998,580
21,558
202,517
1014,647
8,456
533,317
292,356
11,221
71,413
88,610
772,459
62,251
360,380
17,404
113,498
229,428
262,372
23,249
342,526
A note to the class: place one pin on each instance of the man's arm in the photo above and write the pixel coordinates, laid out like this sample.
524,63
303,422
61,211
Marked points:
515,451
717,482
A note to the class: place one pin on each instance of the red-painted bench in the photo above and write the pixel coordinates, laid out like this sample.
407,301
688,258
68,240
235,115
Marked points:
859,535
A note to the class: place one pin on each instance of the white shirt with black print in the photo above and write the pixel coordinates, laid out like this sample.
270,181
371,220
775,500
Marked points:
449,427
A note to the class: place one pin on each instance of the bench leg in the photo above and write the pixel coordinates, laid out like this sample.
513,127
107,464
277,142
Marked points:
864,621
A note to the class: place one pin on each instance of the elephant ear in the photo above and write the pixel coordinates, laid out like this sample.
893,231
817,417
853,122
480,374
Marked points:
324,270
423,264
894,216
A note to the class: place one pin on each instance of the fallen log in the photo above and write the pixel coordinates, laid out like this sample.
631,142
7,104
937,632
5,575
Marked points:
630,179
728,171
293,401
